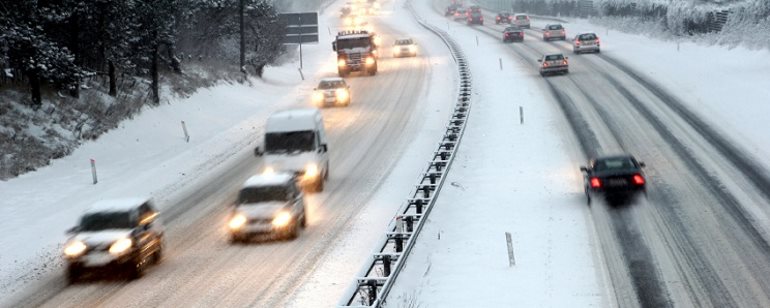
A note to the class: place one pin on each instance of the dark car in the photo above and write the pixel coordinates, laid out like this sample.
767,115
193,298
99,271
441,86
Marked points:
513,34
503,18
618,178
450,10
475,18
123,235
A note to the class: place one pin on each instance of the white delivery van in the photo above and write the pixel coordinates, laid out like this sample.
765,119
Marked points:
295,141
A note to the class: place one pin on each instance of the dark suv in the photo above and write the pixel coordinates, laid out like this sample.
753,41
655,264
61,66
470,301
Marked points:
124,235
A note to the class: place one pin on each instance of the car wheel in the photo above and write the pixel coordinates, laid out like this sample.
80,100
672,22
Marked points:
236,239
294,231
73,274
303,221
157,256
598,51
135,269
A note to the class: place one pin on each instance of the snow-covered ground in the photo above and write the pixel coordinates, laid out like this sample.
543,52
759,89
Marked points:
523,178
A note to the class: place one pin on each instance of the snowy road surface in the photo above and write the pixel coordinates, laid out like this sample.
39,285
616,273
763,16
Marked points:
698,239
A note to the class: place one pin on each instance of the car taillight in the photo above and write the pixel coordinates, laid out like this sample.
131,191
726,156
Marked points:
597,41
547,34
564,62
638,179
498,18
596,182
545,64
577,43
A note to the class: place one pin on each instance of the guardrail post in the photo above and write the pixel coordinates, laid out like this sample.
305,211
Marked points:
386,265
409,223
399,244
432,176
372,291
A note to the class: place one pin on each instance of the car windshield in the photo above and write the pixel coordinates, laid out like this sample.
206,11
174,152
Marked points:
404,42
330,84
512,29
105,221
263,194
621,163
589,36
349,43
554,57
290,142
554,27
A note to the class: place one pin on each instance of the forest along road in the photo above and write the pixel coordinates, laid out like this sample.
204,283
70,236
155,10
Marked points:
695,240
201,268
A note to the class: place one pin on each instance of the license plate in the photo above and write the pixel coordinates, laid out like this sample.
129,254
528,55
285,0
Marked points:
617,182
97,259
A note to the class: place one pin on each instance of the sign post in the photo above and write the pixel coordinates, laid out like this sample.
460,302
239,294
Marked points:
300,28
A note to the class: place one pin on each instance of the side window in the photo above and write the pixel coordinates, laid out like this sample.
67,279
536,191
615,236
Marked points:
146,214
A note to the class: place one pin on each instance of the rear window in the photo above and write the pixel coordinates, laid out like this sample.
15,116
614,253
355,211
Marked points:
554,27
512,29
554,57
587,36
614,164
521,17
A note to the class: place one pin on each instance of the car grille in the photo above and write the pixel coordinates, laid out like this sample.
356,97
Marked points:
354,58
260,221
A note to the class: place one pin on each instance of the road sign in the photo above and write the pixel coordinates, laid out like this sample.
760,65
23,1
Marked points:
300,27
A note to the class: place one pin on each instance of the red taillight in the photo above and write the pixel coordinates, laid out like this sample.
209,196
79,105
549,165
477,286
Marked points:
577,43
638,179
597,41
498,18
547,34
596,183
545,64
564,62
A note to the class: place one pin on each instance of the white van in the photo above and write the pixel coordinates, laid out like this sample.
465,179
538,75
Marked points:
295,141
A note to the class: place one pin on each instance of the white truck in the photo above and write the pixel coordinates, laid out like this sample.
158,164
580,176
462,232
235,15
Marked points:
295,141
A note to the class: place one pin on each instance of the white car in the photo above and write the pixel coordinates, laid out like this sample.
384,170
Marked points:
586,42
122,235
271,203
295,142
404,47
521,21
331,91
554,32
553,64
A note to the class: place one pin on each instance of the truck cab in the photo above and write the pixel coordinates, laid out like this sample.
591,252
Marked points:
356,51
295,142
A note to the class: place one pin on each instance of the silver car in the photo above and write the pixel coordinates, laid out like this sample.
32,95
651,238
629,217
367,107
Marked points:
404,47
586,42
553,64
521,21
332,91
554,32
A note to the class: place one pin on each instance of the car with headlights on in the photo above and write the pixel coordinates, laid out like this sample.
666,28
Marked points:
122,235
503,18
513,34
460,14
554,32
521,20
553,64
404,47
332,91
617,177
586,42
268,204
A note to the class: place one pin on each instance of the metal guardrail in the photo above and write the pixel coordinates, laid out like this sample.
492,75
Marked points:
374,281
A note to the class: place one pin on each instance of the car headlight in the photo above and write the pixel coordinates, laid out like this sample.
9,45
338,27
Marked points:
311,170
341,94
377,40
237,222
396,49
121,246
369,61
268,170
341,62
318,96
75,249
412,49
282,219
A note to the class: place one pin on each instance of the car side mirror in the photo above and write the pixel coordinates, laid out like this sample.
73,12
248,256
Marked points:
334,46
258,152
642,164
72,230
584,169
314,89
324,148
539,60
566,58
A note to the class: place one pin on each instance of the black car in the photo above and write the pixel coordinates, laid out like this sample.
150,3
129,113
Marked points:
503,18
513,34
450,10
475,18
618,178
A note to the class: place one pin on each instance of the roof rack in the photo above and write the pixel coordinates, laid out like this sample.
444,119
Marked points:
350,32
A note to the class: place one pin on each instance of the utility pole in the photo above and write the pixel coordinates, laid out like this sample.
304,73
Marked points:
243,36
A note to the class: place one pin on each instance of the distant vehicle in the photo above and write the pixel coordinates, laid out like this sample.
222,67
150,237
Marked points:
617,177
503,18
475,18
123,235
404,47
345,11
553,64
356,51
513,34
521,21
459,14
270,204
331,91
474,8
295,142
451,9
586,42
554,32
